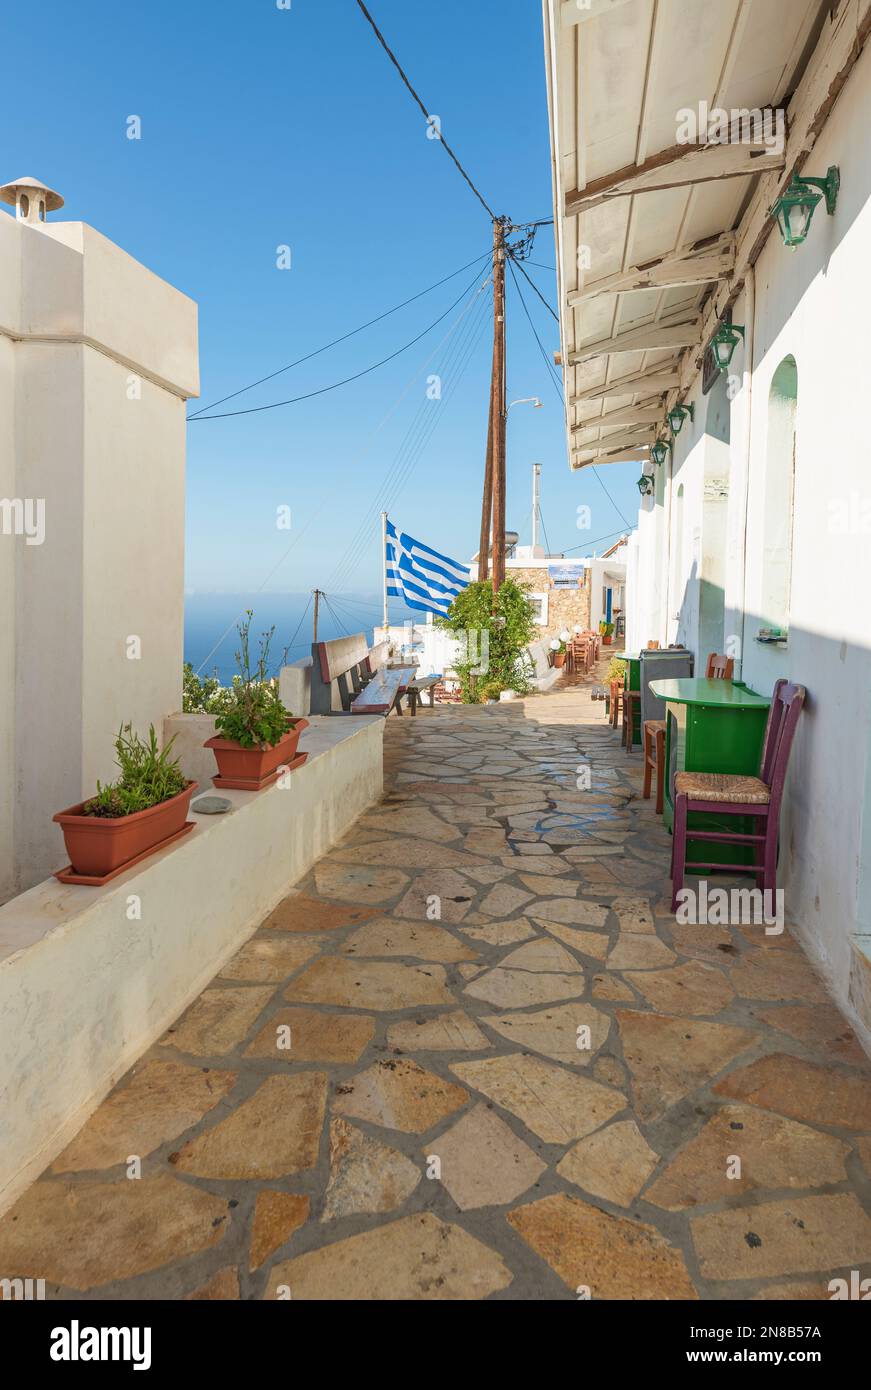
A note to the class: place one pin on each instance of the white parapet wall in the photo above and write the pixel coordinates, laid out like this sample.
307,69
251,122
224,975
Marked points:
92,977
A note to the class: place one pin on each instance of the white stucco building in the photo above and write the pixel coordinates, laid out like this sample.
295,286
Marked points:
97,358
760,516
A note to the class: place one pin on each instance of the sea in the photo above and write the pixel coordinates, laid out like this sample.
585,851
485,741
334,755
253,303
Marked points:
211,621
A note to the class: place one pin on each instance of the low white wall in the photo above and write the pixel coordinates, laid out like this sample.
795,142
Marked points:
85,990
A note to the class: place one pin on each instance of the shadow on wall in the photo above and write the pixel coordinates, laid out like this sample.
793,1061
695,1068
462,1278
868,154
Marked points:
825,830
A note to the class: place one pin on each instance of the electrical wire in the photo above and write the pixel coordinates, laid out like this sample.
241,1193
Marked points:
290,647
339,625
416,438
426,114
530,281
416,442
588,545
343,339
559,390
323,390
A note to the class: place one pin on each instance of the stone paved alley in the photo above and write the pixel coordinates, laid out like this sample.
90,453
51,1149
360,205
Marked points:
307,1170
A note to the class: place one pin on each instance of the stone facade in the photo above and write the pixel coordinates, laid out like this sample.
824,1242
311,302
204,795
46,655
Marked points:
566,608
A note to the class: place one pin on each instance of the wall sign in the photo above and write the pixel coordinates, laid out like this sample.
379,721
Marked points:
566,576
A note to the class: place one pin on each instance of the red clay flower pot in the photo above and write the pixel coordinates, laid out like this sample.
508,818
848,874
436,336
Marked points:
101,845
250,769
559,658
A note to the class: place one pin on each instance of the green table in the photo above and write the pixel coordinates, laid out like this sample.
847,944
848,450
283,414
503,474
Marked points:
711,726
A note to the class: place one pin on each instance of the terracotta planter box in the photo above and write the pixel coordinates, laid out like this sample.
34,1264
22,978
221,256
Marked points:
100,846
559,658
251,769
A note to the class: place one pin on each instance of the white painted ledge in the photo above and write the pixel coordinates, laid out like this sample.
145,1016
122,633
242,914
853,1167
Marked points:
84,990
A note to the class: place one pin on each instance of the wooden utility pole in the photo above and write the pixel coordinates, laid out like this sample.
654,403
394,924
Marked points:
493,505
498,407
317,594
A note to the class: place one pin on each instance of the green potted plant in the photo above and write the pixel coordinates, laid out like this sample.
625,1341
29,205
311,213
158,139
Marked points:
255,736
137,814
559,647
606,630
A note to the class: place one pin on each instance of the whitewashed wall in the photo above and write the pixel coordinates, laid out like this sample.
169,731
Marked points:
814,304
97,356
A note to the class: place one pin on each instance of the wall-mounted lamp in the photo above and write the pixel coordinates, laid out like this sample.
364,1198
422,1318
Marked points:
645,485
793,210
659,452
678,414
724,343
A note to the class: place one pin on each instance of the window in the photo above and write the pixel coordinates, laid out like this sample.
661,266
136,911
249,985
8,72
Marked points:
539,603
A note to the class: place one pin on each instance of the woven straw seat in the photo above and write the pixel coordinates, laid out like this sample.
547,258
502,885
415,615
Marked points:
720,786
656,726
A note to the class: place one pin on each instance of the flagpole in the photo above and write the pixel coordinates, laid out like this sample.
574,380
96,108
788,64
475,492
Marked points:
384,568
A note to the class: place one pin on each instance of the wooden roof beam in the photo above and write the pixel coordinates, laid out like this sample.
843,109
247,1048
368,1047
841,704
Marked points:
640,454
631,415
674,168
654,379
686,266
631,439
649,339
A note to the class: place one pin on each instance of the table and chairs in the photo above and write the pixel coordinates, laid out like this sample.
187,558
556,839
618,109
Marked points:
718,752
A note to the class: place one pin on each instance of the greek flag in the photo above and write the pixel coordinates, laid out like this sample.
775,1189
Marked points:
422,577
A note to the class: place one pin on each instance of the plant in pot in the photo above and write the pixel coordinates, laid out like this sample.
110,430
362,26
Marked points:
141,811
558,646
606,630
256,737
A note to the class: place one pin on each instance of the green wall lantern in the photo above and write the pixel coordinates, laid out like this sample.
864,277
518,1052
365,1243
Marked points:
793,210
724,343
645,485
677,415
659,452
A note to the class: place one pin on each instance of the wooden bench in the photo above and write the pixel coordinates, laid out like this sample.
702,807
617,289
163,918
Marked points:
350,678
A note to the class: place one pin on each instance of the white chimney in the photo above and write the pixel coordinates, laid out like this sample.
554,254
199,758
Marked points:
31,200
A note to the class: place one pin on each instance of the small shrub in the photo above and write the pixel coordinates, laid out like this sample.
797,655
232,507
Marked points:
253,715
203,696
617,669
148,776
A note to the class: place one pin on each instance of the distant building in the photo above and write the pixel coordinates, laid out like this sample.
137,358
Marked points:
568,592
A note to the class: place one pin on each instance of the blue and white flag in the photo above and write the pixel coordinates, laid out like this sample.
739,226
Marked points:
422,577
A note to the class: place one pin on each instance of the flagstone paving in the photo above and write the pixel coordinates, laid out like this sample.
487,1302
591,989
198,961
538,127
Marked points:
473,1055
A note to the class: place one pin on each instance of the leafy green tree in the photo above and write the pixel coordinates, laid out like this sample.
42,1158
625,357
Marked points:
509,622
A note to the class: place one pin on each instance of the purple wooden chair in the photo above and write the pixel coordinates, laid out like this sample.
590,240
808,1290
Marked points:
721,794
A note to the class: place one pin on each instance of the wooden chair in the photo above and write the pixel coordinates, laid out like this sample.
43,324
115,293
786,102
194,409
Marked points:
631,702
615,704
653,748
724,794
719,667
653,646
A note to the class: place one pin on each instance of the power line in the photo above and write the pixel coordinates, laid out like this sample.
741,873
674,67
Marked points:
530,281
340,625
587,545
323,390
558,387
343,339
426,114
290,647
418,434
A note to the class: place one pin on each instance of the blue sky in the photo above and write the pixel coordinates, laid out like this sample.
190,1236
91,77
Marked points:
264,128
